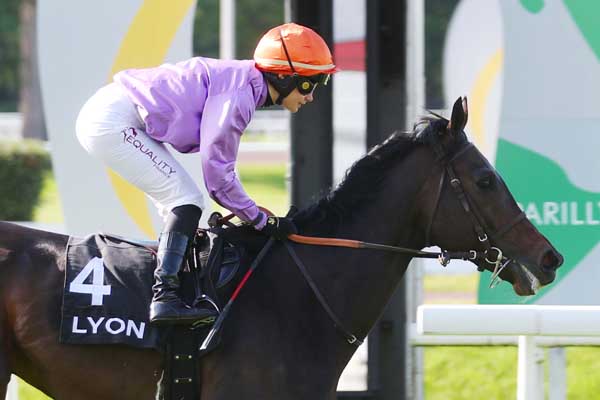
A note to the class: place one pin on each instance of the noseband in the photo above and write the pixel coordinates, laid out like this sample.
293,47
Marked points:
499,261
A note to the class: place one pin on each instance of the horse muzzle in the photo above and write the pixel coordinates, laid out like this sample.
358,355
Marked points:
530,277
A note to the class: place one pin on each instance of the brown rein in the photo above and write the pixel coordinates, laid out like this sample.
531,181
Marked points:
444,257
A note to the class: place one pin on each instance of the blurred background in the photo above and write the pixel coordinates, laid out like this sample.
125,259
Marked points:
531,71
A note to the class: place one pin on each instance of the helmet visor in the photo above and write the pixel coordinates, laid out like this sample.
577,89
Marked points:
321,79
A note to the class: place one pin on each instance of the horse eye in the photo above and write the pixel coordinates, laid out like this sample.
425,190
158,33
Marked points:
485,182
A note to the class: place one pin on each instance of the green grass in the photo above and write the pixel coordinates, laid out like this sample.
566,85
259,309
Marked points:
449,283
49,211
583,373
265,184
259,137
461,373
27,392
473,373
490,373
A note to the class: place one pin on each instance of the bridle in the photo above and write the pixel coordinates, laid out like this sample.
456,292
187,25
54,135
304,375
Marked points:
477,221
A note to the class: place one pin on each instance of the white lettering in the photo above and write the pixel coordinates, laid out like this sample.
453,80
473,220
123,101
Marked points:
589,214
550,210
95,325
574,212
110,329
563,213
75,328
533,214
97,288
139,332
564,209
114,326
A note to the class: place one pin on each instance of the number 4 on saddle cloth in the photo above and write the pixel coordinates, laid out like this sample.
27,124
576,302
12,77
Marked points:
108,287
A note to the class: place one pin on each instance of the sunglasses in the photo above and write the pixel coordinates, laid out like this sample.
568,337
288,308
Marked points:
305,84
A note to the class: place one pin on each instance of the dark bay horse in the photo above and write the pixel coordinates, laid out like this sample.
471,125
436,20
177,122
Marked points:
428,187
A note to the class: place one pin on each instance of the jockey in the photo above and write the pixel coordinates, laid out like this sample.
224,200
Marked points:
198,105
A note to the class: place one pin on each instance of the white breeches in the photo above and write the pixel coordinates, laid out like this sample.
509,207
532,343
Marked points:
110,128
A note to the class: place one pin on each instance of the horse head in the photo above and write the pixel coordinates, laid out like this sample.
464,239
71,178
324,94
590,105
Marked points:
473,209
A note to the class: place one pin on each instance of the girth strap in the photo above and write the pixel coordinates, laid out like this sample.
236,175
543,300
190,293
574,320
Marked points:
350,338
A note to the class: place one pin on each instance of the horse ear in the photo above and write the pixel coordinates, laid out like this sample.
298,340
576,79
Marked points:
460,113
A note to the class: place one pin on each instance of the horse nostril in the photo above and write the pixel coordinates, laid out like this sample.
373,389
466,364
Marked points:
551,260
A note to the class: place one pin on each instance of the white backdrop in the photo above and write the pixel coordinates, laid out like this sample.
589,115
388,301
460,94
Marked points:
81,45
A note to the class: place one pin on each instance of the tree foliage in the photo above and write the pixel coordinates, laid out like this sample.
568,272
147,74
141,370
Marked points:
253,18
438,14
9,55
206,29
23,165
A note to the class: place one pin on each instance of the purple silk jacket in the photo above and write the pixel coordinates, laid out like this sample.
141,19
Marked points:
204,105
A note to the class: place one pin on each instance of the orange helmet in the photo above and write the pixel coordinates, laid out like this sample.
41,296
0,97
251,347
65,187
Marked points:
292,48
298,53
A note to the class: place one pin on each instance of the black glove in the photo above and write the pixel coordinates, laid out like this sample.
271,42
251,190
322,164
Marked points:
279,227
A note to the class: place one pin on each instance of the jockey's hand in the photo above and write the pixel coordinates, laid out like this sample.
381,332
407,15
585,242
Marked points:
279,227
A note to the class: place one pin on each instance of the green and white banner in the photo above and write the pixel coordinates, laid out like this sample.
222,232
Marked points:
536,86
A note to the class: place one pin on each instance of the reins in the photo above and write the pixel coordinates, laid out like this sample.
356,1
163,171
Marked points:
443,256
350,337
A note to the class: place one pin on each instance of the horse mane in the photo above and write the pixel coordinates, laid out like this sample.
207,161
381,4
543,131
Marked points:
368,172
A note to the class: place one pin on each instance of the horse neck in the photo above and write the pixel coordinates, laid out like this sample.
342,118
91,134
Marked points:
393,219
359,283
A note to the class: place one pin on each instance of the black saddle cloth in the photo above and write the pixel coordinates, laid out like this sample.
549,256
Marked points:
108,287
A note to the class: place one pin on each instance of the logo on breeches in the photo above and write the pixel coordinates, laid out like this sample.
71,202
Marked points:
130,136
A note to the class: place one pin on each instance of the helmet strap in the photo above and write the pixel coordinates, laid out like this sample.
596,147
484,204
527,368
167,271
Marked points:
268,101
284,85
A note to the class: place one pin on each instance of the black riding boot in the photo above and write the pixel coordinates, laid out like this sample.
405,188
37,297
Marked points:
167,307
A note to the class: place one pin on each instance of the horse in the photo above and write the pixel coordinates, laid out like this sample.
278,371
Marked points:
429,186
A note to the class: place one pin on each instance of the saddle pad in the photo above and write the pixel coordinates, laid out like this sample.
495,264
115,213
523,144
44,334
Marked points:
107,292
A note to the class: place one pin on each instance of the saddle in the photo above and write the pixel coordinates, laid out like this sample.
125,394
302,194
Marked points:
210,268
107,293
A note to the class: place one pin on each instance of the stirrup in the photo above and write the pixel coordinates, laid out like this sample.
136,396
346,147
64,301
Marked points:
204,322
205,298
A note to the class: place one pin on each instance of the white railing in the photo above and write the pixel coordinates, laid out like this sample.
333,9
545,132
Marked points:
530,327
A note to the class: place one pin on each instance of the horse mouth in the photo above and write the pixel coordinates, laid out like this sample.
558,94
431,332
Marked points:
526,282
